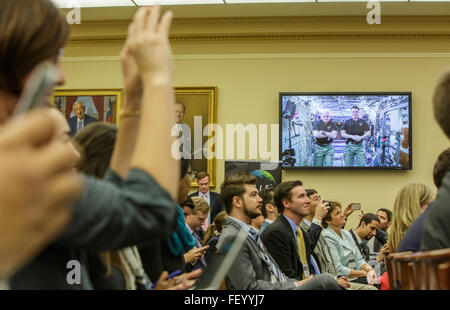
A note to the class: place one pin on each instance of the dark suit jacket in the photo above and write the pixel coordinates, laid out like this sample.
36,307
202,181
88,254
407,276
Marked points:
279,241
363,248
249,271
215,203
73,123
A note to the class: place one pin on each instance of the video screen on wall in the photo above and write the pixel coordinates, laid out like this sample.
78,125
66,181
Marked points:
345,131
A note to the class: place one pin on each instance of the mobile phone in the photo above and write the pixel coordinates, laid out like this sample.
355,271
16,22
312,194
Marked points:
42,79
356,206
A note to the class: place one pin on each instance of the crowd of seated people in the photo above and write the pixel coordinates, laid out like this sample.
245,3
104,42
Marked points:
112,201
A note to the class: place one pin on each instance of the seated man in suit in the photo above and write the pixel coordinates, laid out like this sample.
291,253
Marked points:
436,231
81,119
269,209
286,241
254,268
212,198
194,221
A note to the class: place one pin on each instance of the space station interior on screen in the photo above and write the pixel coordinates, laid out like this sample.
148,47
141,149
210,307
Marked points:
345,131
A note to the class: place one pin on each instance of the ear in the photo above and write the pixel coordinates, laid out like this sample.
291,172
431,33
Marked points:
236,202
269,208
285,203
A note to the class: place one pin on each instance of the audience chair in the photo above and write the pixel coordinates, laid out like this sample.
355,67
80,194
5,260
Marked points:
390,272
396,277
419,280
432,260
444,276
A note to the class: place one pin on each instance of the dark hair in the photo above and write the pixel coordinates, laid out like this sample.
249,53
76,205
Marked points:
31,31
441,106
96,144
355,107
185,163
368,218
310,191
215,229
441,167
283,192
234,186
267,197
327,217
202,175
388,213
188,203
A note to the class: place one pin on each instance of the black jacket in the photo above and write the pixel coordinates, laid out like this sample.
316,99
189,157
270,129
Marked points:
279,240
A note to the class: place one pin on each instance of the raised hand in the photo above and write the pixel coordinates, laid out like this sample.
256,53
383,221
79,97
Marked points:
148,39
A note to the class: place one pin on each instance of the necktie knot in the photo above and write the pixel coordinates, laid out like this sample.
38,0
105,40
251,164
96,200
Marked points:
253,233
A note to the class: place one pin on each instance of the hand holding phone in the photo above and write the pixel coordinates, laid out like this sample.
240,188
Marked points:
356,206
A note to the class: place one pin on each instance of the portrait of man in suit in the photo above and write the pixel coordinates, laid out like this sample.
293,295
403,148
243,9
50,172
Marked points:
81,119
212,198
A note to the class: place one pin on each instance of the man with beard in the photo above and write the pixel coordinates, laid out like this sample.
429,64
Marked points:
254,268
367,228
286,241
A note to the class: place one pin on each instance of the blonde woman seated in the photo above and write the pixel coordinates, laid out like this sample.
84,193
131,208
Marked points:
411,201
346,256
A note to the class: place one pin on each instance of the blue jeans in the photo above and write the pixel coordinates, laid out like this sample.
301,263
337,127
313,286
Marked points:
352,150
323,155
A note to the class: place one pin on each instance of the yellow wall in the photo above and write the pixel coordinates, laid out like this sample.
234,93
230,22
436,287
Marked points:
250,73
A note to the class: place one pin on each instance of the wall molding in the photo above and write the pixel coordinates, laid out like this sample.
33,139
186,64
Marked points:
270,56
278,37
275,29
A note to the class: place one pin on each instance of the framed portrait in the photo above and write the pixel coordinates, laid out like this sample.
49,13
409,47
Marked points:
200,106
91,105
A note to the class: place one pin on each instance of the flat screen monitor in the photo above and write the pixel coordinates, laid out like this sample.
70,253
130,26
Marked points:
346,130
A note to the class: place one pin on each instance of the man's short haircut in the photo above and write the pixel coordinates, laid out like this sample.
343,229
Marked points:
441,103
234,186
31,31
441,167
188,203
182,104
355,107
267,197
284,192
310,192
200,205
368,218
388,213
202,175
